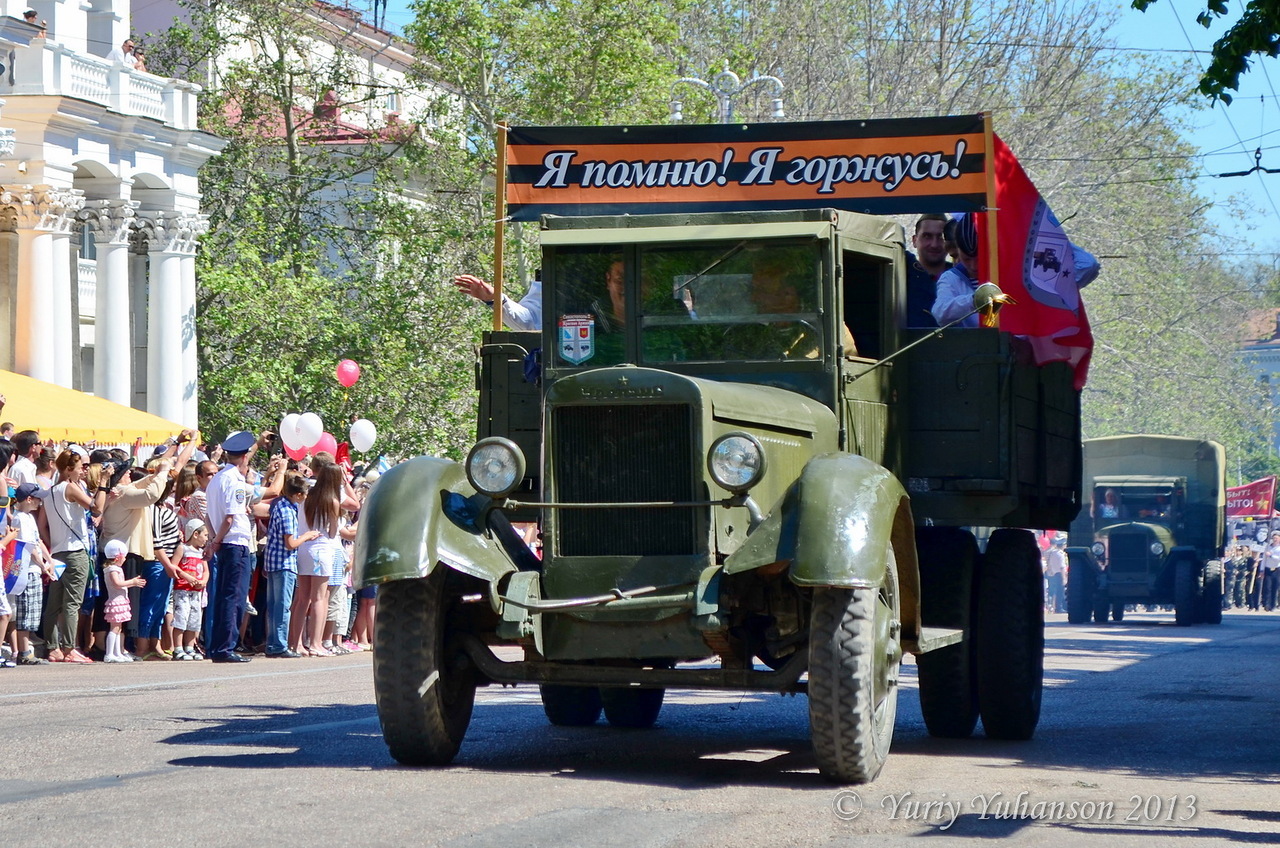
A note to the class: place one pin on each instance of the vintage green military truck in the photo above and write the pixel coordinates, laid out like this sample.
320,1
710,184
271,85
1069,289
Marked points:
738,486
1150,530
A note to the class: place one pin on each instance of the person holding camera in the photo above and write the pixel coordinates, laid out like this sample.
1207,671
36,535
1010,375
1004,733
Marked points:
66,507
129,519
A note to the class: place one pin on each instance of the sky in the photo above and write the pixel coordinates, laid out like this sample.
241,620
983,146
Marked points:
1226,136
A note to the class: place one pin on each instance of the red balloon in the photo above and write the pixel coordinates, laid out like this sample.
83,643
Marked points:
292,453
347,373
327,443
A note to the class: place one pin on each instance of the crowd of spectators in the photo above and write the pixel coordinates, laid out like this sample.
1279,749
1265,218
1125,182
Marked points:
184,551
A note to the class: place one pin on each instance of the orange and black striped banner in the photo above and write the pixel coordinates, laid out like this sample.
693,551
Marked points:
902,165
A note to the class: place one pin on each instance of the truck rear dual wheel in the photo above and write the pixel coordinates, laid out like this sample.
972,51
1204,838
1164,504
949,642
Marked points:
1010,635
632,708
422,685
570,706
855,652
948,685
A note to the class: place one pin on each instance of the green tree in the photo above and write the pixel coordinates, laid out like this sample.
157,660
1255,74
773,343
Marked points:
1256,32
317,249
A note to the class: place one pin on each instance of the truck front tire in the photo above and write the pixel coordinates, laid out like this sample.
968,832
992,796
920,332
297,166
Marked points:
1082,583
1211,593
1010,634
854,655
424,696
1186,592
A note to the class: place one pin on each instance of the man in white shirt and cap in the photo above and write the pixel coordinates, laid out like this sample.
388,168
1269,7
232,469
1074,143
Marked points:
231,523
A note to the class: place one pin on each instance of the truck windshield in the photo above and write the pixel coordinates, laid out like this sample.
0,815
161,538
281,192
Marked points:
705,302
1159,504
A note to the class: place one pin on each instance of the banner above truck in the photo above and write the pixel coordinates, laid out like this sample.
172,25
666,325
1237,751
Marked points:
879,167
951,164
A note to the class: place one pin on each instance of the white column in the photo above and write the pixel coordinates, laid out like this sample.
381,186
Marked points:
42,307
190,362
111,355
164,317
33,333
62,317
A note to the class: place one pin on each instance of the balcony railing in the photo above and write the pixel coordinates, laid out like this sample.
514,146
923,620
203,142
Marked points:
46,68
88,279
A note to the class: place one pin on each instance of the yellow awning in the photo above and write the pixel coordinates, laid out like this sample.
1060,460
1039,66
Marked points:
71,416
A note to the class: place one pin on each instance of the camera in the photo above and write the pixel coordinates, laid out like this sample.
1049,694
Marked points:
117,469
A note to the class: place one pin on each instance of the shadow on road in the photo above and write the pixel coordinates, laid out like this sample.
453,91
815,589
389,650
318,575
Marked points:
1136,698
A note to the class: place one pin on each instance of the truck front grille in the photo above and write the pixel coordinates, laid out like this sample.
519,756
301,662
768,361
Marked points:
624,454
1127,552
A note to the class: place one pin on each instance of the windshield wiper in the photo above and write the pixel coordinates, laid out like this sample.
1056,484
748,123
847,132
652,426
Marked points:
707,270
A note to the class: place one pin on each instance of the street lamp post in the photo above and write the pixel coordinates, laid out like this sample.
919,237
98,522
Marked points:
727,85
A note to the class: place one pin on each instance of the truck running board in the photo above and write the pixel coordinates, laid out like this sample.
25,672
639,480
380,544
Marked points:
931,639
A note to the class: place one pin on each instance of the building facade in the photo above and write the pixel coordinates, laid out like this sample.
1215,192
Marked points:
99,211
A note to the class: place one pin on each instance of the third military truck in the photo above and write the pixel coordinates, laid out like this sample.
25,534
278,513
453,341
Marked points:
1151,529
738,485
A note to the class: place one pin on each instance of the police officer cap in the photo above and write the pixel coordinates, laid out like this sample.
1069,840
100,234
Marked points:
239,442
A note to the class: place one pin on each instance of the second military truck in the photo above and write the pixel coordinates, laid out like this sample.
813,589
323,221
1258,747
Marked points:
1151,529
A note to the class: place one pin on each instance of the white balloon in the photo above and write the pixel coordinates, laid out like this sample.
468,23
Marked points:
289,430
310,429
363,434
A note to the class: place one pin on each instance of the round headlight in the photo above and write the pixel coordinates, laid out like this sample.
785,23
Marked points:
736,462
495,466
1099,549
1156,549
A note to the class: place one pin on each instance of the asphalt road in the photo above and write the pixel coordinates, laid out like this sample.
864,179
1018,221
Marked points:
1151,734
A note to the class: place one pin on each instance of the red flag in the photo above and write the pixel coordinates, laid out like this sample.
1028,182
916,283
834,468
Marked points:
1037,268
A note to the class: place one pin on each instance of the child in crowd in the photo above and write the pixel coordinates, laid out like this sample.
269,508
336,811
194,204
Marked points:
5,610
188,591
117,610
27,600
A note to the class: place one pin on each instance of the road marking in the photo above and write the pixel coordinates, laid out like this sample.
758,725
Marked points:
159,684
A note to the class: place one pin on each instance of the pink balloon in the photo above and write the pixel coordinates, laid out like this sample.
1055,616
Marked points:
347,373
295,453
327,443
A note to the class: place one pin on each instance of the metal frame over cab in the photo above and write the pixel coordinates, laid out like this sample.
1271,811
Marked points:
826,540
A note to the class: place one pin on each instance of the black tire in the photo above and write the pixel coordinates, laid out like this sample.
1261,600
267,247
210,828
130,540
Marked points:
1186,592
1082,584
632,708
1010,636
1101,609
855,652
1117,612
570,706
1211,588
948,684
424,694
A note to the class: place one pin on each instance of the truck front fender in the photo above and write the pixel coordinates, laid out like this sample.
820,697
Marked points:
832,526
419,513
848,511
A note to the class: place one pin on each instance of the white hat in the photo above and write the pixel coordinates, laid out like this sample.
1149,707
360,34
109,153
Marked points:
191,527
115,549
